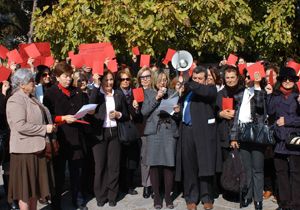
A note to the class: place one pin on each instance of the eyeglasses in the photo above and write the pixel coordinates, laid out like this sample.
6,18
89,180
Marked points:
125,79
145,77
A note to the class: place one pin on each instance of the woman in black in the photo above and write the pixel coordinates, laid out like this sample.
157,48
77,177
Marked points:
111,109
63,100
130,154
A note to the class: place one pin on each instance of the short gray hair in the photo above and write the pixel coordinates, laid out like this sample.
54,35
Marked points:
21,77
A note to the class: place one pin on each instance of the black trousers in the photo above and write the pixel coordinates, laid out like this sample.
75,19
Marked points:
288,176
107,166
76,168
195,187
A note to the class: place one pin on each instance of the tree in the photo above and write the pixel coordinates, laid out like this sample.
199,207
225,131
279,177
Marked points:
200,26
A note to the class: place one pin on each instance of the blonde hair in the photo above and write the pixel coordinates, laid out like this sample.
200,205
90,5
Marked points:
139,74
157,78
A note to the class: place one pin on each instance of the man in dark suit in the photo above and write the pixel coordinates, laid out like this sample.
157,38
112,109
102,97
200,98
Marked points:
198,139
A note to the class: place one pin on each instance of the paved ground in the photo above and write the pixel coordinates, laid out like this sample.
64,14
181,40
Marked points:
137,202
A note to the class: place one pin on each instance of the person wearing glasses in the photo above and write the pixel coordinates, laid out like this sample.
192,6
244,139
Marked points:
283,105
161,133
144,77
43,81
130,152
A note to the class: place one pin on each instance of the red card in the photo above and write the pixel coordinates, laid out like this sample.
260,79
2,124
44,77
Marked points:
294,65
14,56
77,61
254,68
38,61
3,52
135,51
88,60
145,60
232,59
70,54
113,65
48,61
138,94
242,67
98,67
271,79
227,103
109,52
82,122
4,73
170,54
23,52
92,47
165,61
44,48
32,51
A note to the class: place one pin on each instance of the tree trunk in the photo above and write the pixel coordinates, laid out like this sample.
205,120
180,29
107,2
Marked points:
30,33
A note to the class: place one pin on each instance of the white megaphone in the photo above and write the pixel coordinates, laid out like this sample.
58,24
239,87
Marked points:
182,60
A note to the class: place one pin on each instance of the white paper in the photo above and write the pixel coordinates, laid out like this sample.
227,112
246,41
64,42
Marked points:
84,110
168,104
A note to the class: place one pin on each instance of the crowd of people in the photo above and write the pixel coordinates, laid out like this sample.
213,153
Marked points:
178,151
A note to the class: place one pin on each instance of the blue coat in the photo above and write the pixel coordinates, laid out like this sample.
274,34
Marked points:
289,108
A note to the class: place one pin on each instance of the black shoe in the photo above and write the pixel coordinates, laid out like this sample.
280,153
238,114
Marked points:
14,205
101,203
258,205
246,202
112,203
132,191
147,192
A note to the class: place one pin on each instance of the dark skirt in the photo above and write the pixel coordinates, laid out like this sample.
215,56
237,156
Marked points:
28,177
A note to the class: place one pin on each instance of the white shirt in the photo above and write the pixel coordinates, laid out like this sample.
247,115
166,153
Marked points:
245,110
110,106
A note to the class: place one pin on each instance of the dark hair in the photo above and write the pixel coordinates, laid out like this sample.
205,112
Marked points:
215,75
272,66
105,73
200,69
41,69
63,68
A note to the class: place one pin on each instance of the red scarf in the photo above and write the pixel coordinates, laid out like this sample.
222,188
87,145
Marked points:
286,92
64,90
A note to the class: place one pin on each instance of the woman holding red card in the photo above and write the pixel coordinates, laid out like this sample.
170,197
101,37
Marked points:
130,154
233,84
63,100
250,107
145,79
111,110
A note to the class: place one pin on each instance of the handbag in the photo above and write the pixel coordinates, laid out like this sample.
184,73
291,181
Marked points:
127,132
257,132
293,141
233,177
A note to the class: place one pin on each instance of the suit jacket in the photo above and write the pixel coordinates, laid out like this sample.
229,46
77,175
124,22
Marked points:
98,118
71,137
27,124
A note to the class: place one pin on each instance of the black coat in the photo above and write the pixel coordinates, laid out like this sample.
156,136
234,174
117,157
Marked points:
98,118
204,134
70,136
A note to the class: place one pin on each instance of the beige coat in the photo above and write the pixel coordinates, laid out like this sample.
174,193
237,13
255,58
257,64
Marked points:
27,124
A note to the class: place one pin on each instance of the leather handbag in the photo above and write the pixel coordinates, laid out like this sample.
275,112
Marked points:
257,132
293,141
127,132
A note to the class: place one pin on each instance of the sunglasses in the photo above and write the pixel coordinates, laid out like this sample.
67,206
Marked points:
125,79
45,74
291,79
145,77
